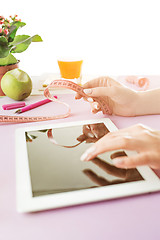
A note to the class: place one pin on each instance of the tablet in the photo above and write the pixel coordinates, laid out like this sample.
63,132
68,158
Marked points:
49,173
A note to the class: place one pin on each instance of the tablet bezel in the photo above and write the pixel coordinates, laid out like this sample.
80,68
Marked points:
27,203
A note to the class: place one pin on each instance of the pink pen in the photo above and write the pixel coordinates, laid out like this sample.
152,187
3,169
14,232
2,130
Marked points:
34,105
13,105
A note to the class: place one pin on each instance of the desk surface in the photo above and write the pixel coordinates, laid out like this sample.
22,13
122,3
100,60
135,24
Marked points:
127,218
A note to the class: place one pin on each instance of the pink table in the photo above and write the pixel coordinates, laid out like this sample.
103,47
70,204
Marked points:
127,218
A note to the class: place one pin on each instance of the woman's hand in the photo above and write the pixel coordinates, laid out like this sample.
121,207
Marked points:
143,140
120,99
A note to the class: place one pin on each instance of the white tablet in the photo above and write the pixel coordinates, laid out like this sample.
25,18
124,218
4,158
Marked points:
50,174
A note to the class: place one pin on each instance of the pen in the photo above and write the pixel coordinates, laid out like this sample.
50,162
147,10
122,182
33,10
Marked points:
13,105
34,105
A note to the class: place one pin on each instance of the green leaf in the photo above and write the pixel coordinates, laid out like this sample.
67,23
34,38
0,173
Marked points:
12,33
18,24
21,43
4,48
10,59
13,29
37,38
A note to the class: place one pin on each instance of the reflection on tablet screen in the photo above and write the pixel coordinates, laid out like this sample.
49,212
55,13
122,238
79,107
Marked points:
55,166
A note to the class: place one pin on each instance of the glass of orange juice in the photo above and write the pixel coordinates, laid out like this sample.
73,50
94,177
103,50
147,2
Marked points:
71,69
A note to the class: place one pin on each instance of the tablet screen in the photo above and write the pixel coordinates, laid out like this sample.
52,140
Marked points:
55,166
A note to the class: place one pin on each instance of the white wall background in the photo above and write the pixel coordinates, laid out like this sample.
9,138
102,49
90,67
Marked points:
112,36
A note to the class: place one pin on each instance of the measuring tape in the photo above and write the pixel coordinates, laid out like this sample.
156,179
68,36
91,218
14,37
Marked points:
51,138
60,84
142,83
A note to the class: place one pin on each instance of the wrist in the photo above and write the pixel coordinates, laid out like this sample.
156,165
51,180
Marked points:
137,104
148,102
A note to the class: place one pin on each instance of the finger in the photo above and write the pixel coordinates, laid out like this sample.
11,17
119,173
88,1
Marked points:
95,107
93,83
96,82
103,81
117,140
99,91
78,96
133,161
116,93
130,131
106,144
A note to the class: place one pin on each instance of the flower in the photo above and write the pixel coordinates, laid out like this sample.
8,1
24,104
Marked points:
6,31
12,43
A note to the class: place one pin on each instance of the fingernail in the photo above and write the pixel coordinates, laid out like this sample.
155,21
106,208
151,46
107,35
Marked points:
96,106
118,161
87,91
90,135
90,99
85,155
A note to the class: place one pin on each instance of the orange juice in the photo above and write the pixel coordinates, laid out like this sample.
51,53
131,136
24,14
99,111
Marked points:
70,69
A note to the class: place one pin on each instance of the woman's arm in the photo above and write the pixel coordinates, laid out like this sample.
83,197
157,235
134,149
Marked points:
149,102
121,100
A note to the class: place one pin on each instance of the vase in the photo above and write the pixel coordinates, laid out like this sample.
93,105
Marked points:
3,70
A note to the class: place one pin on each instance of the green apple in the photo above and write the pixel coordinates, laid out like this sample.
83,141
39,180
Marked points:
16,84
